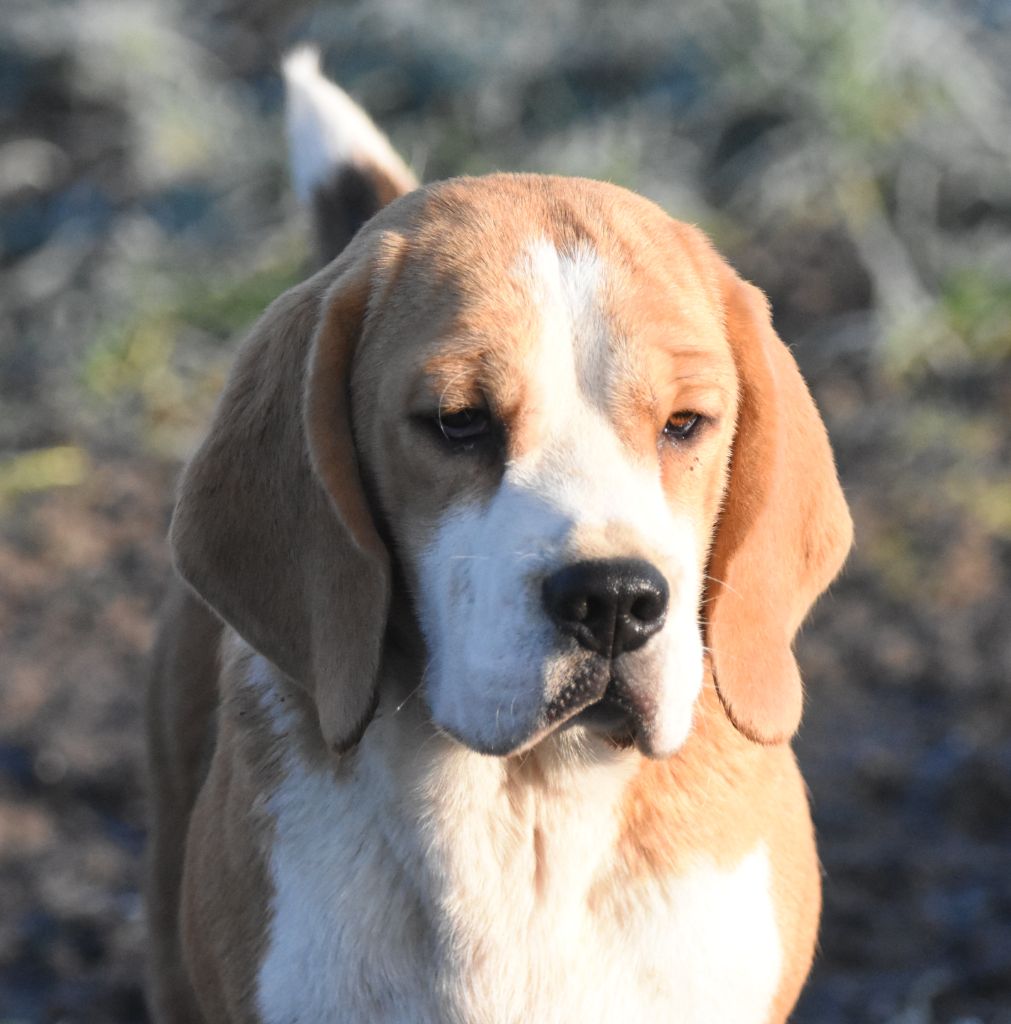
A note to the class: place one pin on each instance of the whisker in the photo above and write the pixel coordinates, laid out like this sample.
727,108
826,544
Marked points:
401,705
515,554
713,651
722,583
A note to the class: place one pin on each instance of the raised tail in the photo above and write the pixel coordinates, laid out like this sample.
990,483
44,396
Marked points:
343,167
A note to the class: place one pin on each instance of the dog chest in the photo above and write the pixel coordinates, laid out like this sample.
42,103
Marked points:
447,901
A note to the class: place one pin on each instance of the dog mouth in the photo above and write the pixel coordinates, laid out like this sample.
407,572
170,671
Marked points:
597,698
612,717
602,703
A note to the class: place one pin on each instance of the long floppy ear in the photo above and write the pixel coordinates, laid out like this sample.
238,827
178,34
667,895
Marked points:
271,527
784,531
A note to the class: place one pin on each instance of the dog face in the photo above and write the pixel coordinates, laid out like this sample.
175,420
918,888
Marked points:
549,451
579,433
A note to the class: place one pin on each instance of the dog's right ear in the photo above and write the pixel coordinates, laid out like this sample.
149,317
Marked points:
272,528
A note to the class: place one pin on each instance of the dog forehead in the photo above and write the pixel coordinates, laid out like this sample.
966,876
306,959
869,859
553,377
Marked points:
467,233
484,261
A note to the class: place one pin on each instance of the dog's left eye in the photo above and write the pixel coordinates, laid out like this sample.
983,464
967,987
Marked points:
464,425
681,425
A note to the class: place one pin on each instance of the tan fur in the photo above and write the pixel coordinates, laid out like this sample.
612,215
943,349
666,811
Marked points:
223,915
312,470
181,700
784,532
735,794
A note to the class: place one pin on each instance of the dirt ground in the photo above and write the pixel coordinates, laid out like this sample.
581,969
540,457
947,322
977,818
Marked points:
906,741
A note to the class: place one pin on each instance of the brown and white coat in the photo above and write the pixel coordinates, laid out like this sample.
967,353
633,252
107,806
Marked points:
391,781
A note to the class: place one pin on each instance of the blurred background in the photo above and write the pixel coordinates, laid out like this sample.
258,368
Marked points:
852,157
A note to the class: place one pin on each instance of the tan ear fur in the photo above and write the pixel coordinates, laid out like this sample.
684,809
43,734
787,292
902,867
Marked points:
784,530
271,527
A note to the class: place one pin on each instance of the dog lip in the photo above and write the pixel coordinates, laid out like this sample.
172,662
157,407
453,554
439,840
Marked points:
598,701
613,716
584,689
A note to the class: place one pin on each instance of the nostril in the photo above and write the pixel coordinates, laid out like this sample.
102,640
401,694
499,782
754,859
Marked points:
597,610
647,608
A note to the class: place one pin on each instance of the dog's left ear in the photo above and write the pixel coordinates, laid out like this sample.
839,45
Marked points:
784,530
272,527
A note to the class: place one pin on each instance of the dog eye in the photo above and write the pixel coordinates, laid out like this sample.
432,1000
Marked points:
681,425
464,425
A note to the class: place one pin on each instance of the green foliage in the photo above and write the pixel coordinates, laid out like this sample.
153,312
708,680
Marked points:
41,470
161,367
224,307
977,305
967,324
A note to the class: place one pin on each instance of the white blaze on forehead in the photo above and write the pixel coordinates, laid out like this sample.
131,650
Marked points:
573,351
579,463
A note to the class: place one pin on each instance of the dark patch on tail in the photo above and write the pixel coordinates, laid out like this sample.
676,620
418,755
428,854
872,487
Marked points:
340,208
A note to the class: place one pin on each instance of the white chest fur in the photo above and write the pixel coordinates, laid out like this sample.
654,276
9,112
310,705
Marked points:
428,886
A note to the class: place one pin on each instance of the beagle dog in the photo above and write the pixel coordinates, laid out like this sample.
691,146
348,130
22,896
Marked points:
476,704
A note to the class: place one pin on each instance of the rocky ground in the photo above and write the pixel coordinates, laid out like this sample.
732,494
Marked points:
855,167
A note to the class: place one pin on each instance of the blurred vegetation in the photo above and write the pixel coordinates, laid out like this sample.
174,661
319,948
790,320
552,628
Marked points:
852,157
41,469
161,222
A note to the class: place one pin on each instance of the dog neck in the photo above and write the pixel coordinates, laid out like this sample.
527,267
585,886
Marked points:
423,777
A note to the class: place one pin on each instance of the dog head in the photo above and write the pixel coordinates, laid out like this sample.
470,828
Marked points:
593,465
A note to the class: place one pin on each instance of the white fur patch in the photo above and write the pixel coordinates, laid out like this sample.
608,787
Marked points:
327,129
422,884
496,660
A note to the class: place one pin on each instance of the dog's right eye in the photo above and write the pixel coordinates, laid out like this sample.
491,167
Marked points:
464,425
464,430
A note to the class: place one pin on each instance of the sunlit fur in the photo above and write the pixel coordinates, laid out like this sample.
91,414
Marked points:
360,811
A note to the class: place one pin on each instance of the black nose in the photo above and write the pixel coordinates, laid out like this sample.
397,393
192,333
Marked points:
609,605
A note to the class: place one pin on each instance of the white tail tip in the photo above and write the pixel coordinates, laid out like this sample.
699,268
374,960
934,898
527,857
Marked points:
327,130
